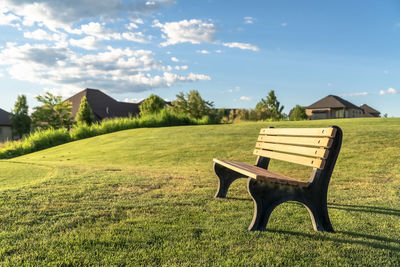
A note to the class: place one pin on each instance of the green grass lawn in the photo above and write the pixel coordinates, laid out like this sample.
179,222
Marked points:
145,197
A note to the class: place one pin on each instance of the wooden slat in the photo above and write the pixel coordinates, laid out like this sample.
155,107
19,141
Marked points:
259,173
306,151
322,132
311,162
301,141
236,168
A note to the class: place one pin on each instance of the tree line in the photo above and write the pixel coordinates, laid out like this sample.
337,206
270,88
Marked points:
55,113
194,105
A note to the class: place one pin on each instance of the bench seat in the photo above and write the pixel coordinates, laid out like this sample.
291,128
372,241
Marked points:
317,148
260,174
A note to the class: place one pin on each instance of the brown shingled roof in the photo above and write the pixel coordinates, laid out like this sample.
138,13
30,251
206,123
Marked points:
4,118
332,101
102,105
368,109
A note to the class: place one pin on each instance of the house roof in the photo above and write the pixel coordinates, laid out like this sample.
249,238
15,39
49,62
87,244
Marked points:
368,109
4,118
102,105
332,101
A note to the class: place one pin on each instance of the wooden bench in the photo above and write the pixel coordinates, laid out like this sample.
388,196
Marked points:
314,147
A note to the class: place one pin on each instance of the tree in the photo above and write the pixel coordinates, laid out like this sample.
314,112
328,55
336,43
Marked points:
54,113
85,113
152,104
20,120
298,113
271,104
192,104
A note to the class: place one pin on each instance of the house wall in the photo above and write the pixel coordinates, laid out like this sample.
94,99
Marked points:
327,113
346,113
372,115
320,114
5,133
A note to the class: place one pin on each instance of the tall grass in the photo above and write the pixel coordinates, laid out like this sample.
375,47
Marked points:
43,139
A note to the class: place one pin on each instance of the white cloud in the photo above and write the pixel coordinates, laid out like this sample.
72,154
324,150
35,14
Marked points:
134,37
184,67
43,35
245,98
390,91
88,43
60,13
243,46
99,31
133,100
187,31
8,19
202,51
218,51
115,70
174,59
236,89
137,21
249,20
284,24
134,24
95,29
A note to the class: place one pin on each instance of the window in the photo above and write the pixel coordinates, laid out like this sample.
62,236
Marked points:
339,113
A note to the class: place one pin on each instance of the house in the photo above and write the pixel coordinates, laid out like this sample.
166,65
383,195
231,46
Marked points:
5,126
370,112
333,107
102,105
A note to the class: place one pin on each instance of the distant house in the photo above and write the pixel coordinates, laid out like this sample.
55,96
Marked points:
370,112
102,105
5,126
333,107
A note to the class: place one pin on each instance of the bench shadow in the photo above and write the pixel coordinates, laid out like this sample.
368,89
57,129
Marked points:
372,240
361,208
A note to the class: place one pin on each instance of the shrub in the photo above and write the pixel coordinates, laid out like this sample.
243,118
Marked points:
43,139
35,141
152,104
53,113
192,104
85,113
20,120
298,113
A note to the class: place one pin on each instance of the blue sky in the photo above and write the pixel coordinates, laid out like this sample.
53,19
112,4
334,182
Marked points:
233,52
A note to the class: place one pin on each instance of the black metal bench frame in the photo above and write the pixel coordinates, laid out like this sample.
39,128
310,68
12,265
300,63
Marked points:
267,196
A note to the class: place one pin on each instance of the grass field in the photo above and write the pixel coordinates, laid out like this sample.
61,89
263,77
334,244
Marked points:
145,197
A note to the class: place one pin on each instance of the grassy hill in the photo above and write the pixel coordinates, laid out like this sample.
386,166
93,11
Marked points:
145,196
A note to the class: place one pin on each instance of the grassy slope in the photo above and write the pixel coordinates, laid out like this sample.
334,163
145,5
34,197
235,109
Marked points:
144,196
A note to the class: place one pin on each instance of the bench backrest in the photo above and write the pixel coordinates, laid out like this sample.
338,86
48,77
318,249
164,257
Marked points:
305,146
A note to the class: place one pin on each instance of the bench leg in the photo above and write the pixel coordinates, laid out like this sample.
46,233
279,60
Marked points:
319,216
265,201
226,178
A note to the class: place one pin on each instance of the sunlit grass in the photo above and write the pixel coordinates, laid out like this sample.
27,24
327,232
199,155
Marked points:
145,197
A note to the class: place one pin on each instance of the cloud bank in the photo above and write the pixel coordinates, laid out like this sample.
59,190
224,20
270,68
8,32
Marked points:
115,70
